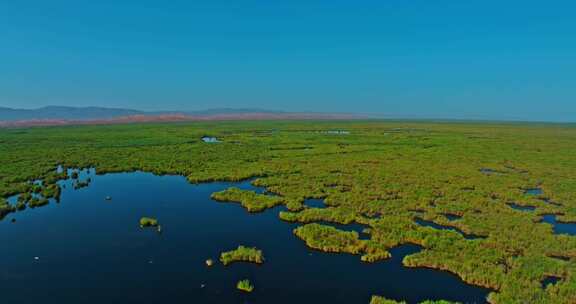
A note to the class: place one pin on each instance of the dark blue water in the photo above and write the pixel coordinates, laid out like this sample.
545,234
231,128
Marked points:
87,249
560,228
314,203
452,217
426,223
550,281
521,208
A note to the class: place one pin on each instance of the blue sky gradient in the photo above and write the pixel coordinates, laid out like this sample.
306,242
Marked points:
502,60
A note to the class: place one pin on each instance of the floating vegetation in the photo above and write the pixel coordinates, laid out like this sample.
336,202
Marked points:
362,230
252,201
329,239
5,208
242,254
148,222
245,285
335,215
82,184
209,262
382,300
38,202
51,191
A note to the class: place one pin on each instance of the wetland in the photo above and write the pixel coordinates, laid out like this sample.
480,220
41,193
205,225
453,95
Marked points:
408,211
172,264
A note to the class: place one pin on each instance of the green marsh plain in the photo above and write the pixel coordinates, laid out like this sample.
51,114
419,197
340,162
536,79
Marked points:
385,175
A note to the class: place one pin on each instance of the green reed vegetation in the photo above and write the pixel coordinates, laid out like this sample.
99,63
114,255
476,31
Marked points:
250,200
329,239
242,254
6,208
245,285
148,222
81,184
38,202
382,175
382,300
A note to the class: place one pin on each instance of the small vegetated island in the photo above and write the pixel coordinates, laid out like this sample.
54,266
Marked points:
148,222
477,198
250,200
245,285
382,300
242,254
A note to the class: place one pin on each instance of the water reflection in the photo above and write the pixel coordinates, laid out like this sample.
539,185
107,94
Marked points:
83,249
559,227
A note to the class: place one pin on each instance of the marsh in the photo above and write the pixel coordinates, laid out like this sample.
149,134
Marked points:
171,266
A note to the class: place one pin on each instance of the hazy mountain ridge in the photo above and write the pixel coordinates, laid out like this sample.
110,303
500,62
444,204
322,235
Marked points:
98,113
62,115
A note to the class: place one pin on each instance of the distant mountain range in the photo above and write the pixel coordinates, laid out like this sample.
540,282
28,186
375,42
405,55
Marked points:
63,115
66,113
92,113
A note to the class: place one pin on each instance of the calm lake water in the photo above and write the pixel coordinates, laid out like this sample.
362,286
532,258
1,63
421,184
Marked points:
559,227
521,208
87,249
534,191
210,139
425,223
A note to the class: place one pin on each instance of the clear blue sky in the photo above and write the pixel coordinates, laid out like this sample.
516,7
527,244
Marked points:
438,59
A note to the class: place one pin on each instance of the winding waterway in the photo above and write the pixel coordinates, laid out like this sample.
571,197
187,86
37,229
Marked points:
90,249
